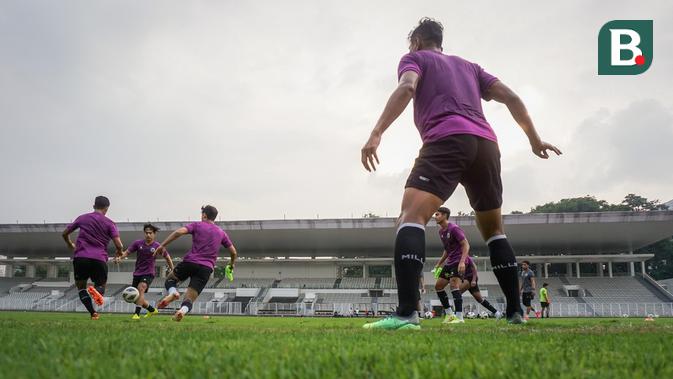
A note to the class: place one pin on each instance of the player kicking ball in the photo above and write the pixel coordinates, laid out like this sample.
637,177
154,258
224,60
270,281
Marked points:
199,262
90,252
145,267
459,147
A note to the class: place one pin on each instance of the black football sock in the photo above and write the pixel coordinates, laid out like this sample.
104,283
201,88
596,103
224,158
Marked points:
137,310
100,289
457,300
150,308
484,303
504,266
409,259
444,299
86,300
186,304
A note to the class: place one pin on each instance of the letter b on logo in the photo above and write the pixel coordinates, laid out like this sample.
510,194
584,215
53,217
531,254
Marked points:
625,47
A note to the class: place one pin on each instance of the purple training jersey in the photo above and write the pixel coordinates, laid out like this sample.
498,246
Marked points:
448,95
206,240
95,233
451,237
145,259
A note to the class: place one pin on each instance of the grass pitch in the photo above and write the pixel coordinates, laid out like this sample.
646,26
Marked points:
68,345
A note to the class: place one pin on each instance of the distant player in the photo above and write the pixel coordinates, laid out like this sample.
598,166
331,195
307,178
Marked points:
199,262
90,252
545,300
459,146
455,265
145,267
471,283
527,287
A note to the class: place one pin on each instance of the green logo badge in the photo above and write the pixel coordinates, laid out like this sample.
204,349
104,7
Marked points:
625,47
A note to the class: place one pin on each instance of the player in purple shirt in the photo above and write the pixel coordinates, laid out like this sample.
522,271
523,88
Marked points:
145,267
459,146
90,252
199,262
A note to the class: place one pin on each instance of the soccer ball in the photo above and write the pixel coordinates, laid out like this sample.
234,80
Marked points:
471,315
483,315
625,315
130,294
428,315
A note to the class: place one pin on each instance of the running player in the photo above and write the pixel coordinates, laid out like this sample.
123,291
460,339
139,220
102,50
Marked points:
527,287
199,262
459,146
90,252
144,271
471,283
545,300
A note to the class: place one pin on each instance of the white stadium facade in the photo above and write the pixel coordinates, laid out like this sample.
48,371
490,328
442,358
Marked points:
345,266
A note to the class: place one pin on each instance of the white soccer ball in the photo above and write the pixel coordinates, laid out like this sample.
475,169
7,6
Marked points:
130,294
428,315
471,315
625,315
483,315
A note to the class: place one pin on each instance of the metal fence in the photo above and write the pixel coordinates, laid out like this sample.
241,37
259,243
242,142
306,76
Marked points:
338,309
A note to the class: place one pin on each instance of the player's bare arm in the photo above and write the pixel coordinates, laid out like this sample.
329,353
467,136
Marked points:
465,246
474,277
118,245
232,255
169,261
499,92
171,237
398,101
68,241
441,260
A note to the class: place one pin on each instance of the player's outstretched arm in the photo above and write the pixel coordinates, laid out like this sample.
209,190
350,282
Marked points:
119,246
171,237
399,99
499,92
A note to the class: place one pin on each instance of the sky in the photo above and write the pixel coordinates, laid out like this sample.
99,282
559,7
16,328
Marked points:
261,107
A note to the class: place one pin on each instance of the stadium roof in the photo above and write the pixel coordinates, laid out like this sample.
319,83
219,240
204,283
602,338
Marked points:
553,233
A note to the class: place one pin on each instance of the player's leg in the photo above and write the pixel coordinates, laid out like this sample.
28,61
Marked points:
179,273
99,278
525,299
440,289
483,186
197,282
476,293
455,285
80,271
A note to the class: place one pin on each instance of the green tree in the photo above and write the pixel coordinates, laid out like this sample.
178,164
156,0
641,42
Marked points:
661,265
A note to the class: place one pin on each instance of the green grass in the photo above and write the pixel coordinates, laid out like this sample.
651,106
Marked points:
61,345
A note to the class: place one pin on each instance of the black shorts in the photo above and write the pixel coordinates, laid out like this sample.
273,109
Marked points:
137,279
85,268
198,274
544,304
467,159
449,272
526,298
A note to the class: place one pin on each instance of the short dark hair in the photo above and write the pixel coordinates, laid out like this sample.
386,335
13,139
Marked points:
101,202
150,226
444,210
545,284
526,262
428,31
210,212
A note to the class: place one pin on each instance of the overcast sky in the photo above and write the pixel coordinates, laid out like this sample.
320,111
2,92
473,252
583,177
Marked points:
261,107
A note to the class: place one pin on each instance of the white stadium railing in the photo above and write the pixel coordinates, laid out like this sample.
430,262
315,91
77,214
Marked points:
342,309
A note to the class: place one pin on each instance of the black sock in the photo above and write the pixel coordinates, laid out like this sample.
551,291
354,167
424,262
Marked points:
100,289
503,262
487,305
86,300
170,282
187,303
444,299
150,308
137,310
457,300
409,259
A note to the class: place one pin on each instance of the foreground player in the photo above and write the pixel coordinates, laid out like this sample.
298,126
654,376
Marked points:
199,262
145,263
527,287
459,146
90,252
